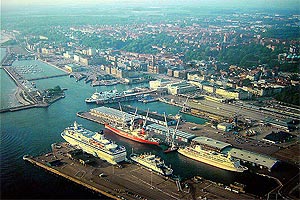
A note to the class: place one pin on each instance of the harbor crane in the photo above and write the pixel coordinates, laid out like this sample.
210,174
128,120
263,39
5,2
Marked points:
170,139
185,107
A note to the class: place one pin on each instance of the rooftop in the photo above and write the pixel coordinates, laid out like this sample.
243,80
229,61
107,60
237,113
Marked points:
252,157
114,112
178,132
211,142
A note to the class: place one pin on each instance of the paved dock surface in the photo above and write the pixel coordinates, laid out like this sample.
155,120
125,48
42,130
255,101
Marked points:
128,181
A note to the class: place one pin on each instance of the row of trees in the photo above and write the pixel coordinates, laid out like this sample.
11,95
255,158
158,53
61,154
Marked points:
290,95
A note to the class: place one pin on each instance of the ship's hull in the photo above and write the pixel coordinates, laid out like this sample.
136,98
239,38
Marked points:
227,166
171,149
129,136
150,167
90,100
88,148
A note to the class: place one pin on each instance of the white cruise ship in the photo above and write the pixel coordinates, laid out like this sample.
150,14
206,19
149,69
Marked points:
94,143
220,160
153,163
102,96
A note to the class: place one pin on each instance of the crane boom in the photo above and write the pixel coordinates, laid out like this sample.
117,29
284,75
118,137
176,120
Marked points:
145,122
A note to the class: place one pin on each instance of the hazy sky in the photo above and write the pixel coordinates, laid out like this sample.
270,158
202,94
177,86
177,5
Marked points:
228,3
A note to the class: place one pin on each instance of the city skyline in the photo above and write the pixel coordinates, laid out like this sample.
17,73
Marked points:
225,3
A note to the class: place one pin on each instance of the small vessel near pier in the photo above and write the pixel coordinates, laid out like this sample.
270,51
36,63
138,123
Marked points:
153,163
102,96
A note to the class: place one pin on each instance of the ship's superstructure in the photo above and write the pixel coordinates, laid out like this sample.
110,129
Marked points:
138,134
153,163
131,131
94,143
201,150
102,96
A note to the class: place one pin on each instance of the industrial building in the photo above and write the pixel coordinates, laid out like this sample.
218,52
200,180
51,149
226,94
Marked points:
210,143
224,91
115,115
180,88
180,136
157,84
73,68
111,114
224,126
251,157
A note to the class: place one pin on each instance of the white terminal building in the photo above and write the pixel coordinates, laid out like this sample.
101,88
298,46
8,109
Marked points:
172,87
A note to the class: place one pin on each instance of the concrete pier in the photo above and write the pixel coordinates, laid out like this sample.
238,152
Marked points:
127,181
47,77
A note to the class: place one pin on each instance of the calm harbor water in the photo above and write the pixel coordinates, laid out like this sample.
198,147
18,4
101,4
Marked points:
35,69
33,131
3,53
8,90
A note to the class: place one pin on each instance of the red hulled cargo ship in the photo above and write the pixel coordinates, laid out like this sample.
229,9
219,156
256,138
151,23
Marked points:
138,135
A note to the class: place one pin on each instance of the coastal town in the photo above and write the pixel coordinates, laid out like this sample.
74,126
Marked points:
177,57
228,70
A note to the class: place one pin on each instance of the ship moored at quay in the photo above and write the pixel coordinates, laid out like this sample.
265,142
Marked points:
124,125
102,96
111,96
129,181
152,162
113,118
213,158
94,143
137,135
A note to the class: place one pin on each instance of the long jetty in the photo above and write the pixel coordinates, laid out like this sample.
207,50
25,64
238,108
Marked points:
12,76
54,171
46,77
34,103
17,108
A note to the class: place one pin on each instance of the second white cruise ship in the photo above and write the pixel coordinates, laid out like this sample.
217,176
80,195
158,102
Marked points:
213,158
94,143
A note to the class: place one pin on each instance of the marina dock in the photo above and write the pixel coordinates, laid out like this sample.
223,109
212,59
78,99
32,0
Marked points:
127,181
29,100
